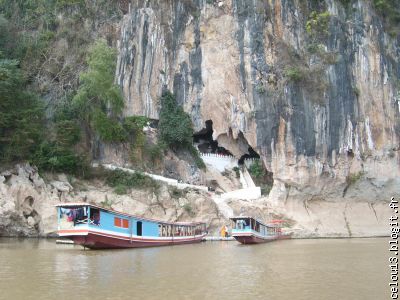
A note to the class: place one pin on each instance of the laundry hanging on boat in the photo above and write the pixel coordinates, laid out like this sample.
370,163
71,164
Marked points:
73,214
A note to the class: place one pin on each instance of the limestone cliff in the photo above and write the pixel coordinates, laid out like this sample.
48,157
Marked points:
311,86
325,121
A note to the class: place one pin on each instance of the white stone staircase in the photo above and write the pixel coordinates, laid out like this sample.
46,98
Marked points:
245,179
223,207
248,193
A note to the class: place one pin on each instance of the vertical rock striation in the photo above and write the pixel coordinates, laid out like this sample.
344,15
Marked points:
325,120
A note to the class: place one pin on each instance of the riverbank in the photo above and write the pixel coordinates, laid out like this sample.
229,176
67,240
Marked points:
27,203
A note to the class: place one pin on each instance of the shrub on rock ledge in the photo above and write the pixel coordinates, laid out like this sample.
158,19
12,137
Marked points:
175,125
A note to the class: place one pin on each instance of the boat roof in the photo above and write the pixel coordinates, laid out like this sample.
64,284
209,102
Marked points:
83,204
274,223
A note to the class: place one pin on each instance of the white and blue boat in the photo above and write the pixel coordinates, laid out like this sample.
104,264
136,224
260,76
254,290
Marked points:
248,230
96,227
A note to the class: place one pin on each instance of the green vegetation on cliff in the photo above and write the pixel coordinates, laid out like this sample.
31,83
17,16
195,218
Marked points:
22,127
390,11
97,105
99,100
21,114
176,128
175,125
317,25
121,181
261,177
43,44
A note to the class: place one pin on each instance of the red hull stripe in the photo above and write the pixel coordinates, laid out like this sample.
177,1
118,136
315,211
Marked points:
143,239
93,241
249,238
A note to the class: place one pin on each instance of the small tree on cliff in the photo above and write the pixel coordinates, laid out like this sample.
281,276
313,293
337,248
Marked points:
175,125
99,99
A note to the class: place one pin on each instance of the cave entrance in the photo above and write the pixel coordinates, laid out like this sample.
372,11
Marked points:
251,154
203,139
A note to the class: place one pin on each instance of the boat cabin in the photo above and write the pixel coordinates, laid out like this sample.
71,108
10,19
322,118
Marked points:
73,217
250,224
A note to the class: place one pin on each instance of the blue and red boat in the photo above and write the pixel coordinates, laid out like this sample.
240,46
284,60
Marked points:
248,230
96,227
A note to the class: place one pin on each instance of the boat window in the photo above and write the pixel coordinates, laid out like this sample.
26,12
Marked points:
74,216
197,230
240,224
271,230
165,230
181,230
94,216
119,222
169,230
160,230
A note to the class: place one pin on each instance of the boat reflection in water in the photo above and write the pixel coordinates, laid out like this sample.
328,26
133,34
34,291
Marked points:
96,227
248,230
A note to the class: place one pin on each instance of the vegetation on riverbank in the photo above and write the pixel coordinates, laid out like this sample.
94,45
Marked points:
43,48
56,136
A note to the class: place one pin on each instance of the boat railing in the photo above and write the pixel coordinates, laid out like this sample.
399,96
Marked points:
83,221
247,229
87,222
77,217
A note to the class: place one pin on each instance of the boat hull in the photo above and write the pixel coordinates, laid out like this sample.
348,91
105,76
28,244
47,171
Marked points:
250,238
96,240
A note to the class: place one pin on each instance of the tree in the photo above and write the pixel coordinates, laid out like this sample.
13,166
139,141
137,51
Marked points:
21,114
175,125
256,169
99,99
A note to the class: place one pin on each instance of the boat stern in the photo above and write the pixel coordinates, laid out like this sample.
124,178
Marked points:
74,219
244,236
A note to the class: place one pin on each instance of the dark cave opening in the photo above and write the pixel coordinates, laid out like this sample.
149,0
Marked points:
203,139
251,154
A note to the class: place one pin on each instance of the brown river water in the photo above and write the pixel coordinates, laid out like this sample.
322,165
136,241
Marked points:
291,269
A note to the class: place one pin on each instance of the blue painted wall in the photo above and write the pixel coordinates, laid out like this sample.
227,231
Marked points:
107,223
150,228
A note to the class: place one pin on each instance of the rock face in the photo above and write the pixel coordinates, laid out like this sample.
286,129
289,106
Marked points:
27,207
320,106
23,194
27,202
